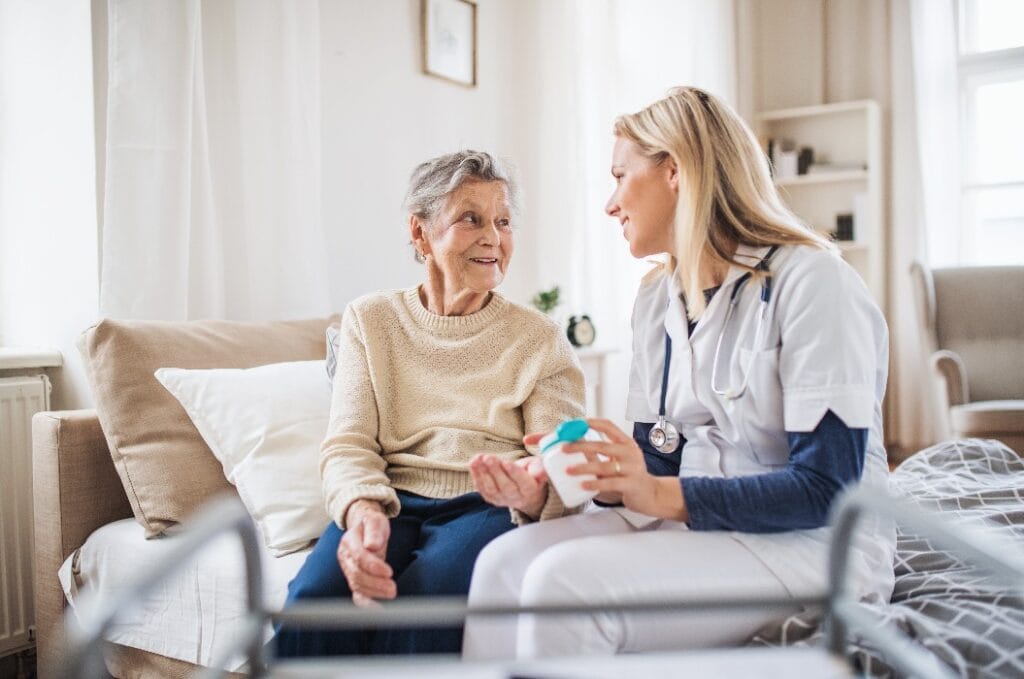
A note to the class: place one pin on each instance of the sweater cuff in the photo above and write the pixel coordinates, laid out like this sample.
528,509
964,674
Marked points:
342,500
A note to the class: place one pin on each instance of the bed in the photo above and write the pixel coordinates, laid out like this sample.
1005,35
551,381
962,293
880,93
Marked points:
954,609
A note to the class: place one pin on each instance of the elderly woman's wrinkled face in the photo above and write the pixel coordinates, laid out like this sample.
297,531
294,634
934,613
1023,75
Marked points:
470,238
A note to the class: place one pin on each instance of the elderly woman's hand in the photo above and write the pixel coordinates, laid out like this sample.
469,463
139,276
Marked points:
624,472
361,553
520,485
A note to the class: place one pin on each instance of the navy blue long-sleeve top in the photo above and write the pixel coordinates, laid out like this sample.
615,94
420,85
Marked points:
821,463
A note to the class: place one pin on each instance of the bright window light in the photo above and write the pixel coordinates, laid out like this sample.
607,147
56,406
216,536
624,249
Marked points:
997,120
989,25
991,69
995,217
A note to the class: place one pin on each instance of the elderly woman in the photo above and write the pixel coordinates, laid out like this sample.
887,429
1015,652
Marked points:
435,387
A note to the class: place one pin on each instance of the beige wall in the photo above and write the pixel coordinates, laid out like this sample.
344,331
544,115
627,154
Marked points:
806,52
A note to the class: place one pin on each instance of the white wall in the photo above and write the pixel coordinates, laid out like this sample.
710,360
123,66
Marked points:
382,116
48,238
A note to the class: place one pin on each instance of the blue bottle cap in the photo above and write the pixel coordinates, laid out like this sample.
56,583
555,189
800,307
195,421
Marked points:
568,431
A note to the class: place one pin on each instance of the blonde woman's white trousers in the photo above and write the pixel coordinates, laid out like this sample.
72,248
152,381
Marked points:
599,556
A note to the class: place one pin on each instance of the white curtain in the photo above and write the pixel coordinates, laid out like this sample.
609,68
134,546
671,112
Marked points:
937,103
925,194
212,198
624,54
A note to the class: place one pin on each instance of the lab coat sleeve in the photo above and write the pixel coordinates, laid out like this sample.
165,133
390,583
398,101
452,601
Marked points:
833,351
639,404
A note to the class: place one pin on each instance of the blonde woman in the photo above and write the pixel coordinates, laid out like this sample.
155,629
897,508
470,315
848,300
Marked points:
759,366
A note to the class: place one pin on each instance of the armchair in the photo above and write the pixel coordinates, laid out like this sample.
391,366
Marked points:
972,321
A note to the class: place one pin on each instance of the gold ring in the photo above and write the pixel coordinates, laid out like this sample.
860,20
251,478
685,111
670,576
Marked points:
618,468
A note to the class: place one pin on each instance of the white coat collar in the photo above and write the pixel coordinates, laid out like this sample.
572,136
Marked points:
675,317
750,255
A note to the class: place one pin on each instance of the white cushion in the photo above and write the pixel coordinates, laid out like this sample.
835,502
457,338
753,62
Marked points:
265,426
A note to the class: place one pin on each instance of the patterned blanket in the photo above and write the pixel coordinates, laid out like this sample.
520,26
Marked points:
953,609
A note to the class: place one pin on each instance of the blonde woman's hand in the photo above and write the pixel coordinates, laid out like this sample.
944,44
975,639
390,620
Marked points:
520,485
624,474
361,553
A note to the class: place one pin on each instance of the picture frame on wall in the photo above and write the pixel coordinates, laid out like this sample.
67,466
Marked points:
449,40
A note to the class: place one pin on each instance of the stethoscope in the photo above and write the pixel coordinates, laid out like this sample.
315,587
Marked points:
664,436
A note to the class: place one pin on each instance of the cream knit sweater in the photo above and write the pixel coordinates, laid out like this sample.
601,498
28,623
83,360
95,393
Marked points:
416,395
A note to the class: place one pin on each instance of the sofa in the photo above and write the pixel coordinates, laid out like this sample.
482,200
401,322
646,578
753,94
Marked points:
121,477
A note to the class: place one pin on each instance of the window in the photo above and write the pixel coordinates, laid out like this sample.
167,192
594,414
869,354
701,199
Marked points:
991,75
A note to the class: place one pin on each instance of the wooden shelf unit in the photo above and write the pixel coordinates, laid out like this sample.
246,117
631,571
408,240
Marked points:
848,134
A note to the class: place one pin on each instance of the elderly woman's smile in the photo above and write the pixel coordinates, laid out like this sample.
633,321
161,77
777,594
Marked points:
467,246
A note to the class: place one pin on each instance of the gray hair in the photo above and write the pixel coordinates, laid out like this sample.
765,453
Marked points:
434,180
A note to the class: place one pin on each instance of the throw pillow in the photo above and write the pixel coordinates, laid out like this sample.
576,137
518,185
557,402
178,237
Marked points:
165,467
265,426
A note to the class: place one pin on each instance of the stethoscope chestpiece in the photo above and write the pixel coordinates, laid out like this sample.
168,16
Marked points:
664,436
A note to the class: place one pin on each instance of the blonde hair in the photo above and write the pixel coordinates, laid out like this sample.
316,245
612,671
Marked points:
726,193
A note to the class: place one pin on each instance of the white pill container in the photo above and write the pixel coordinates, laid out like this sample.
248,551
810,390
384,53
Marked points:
556,461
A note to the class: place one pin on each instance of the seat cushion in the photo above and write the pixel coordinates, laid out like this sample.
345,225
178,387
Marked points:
196,615
166,468
985,419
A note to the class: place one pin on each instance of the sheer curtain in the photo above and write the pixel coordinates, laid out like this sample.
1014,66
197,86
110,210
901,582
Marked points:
652,45
623,55
212,194
926,192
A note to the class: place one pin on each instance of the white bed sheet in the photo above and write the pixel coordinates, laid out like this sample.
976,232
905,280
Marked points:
194,616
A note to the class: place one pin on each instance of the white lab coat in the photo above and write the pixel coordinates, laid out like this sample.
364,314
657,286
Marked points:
824,346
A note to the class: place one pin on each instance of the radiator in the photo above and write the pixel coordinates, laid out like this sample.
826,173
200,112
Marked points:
20,398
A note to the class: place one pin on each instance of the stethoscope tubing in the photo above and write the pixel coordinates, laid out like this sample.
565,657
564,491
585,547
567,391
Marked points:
664,430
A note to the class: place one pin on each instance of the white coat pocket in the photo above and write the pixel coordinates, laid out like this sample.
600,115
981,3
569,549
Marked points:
759,409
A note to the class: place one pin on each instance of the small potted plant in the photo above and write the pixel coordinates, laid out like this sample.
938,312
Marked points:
546,300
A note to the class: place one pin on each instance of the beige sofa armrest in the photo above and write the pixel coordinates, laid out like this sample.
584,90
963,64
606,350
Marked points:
75,491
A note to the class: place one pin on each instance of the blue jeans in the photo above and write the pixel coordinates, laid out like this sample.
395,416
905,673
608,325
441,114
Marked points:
432,549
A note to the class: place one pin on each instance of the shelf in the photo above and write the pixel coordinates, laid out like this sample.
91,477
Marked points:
813,111
847,141
823,178
845,245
